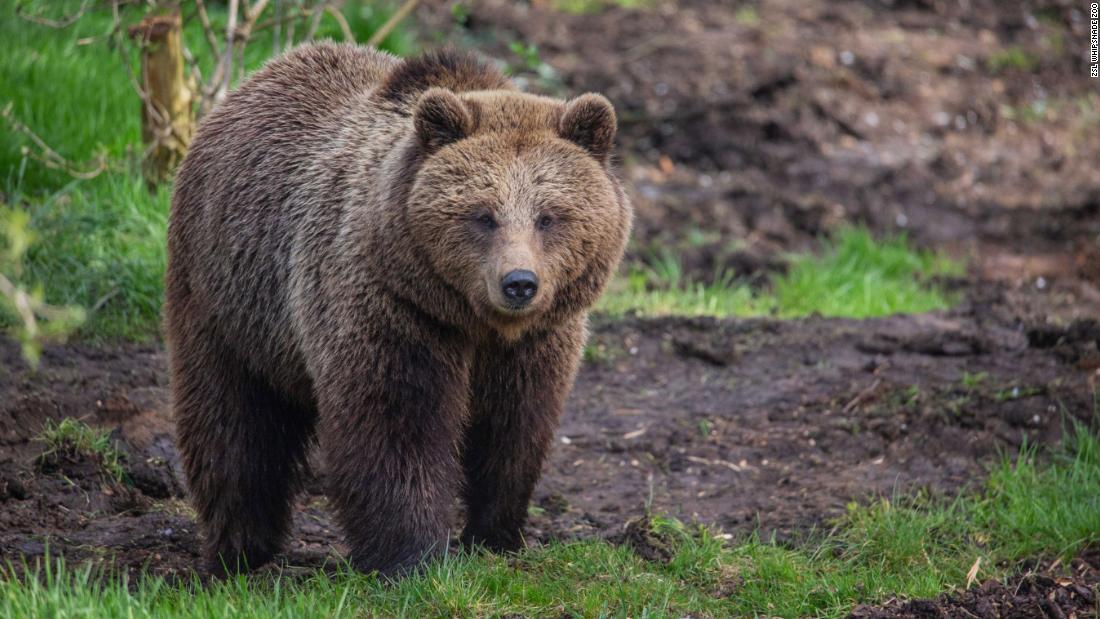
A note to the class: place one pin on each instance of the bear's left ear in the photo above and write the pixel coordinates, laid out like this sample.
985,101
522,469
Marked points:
441,118
589,121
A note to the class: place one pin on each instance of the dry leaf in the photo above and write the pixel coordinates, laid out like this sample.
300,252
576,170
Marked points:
973,573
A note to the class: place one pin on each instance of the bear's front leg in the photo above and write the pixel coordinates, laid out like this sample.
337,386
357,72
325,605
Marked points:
391,411
518,391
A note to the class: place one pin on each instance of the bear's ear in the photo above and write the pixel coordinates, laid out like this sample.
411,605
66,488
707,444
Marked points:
589,121
441,118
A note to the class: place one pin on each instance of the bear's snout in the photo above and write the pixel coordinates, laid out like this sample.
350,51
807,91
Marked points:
519,287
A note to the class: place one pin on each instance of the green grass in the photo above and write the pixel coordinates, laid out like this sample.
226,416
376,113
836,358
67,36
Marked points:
854,275
587,7
645,292
1030,508
858,276
1014,59
75,437
101,242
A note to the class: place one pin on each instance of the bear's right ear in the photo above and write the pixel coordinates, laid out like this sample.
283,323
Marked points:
589,121
441,118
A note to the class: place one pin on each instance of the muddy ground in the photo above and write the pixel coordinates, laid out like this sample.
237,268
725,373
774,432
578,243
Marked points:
742,424
1048,591
749,129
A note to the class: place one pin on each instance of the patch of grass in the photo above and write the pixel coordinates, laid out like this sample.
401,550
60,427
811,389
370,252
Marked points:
660,287
747,16
859,277
1016,392
599,354
586,7
1045,510
973,381
1012,58
74,437
101,245
643,292
910,547
854,275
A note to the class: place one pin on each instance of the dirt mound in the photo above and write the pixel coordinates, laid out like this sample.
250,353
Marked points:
1050,593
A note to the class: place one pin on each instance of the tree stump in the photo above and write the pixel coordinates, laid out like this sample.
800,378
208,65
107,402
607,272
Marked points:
167,113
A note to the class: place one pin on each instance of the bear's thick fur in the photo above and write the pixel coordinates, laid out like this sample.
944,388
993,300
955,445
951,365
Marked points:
395,257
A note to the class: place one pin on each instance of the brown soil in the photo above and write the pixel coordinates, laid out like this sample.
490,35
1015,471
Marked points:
741,424
1049,593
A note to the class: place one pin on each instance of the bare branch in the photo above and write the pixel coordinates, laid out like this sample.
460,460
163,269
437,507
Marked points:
224,75
236,39
64,22
380,35
49,157
253,15
344,26
275,44
287,17
290,34
315,20
207,29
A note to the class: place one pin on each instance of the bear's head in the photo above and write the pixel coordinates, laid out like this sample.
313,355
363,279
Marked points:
514,202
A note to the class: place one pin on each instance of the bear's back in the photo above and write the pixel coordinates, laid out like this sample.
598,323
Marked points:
285,108
232,223
260,198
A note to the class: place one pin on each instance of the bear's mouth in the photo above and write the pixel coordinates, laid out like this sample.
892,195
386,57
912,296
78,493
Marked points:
515,310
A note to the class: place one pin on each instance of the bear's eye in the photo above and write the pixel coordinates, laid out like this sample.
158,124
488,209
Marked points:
545,222
487,221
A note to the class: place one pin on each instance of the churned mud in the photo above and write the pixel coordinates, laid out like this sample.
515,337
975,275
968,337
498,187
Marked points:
1045,591
741,424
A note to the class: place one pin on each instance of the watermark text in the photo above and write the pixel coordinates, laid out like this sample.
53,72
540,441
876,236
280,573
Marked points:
1094,39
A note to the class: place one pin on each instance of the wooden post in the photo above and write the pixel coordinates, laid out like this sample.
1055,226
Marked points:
167,113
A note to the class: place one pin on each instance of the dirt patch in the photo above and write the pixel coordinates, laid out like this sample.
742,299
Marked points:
741,424
1051,593
641,536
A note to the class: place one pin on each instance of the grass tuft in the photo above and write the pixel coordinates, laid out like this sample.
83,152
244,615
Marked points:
588,7
1012,59
854,275
74,437
859,276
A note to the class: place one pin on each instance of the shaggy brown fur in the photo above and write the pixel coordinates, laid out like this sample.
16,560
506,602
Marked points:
338,239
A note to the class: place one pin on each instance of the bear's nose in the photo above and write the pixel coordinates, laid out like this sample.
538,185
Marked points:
519,287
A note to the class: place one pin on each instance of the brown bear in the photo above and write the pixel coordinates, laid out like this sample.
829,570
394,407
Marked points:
396,257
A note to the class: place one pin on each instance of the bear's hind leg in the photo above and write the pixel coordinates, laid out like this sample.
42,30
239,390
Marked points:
243,448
